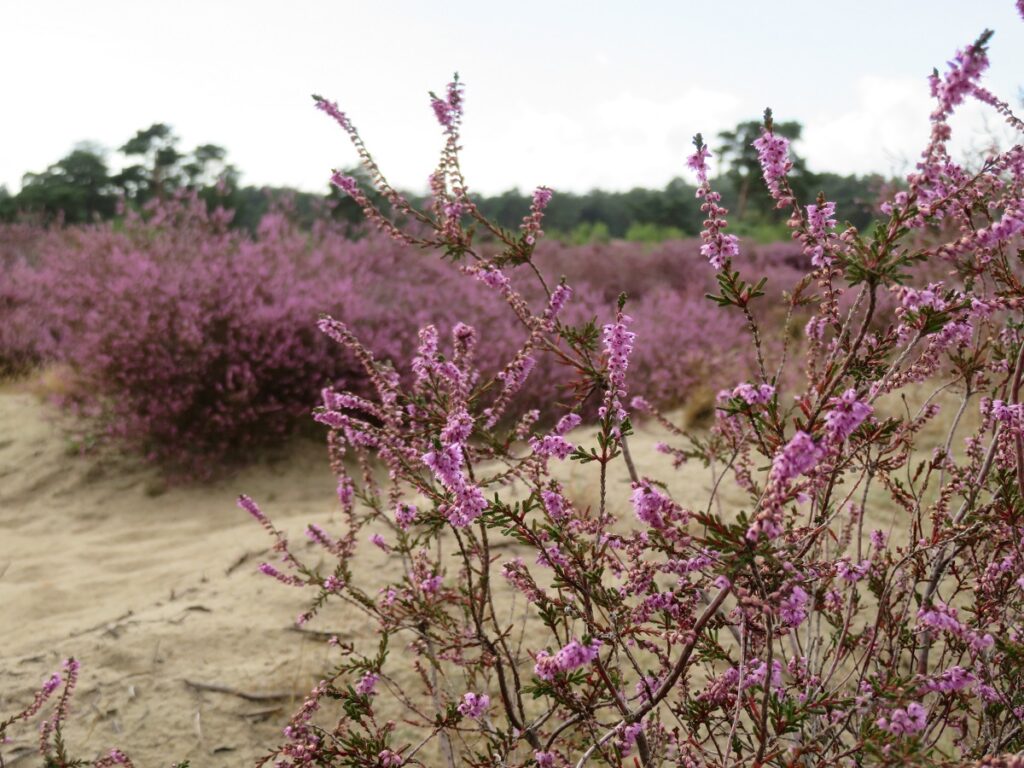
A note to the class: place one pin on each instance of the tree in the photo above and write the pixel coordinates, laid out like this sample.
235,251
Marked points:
156,149
78,185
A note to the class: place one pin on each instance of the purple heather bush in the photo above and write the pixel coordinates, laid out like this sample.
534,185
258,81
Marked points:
194,342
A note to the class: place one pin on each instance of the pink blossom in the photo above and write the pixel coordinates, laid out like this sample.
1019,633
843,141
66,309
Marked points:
551,446
847,571
628,736
799,455
405,515
652,506
333,584
567,423
773,154
532,223
955,678
718,248
431,584
366,684
940,616
554,503
448,111
474,705
820,223
793,609
698,161
908,721
572,656
618,345
346,184
752,395
964,71
846,414
330,108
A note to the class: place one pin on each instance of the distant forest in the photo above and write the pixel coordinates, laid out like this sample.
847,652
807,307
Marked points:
81,187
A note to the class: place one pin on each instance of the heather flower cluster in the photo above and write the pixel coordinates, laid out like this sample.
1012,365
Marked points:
773,155
572,656
905,721
618,346
531,224
446,462
719,248
820,240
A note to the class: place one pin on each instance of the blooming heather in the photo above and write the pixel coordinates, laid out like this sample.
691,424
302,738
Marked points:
956,678
752,395
847,413
764,597
951,89
367,684
446,462
798,456
448,110
346,184
698,162
652,507
474,705
773,155
554,504
719,248
821,220
907,721
571,656
618,344
793,610
532,223
405,515
330,108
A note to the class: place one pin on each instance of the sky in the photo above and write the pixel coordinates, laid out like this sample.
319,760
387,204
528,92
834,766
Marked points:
571,94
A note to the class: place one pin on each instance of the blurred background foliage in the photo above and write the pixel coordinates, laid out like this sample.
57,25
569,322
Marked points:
84,186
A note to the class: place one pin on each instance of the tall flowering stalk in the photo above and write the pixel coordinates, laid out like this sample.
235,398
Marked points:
719,248
770,624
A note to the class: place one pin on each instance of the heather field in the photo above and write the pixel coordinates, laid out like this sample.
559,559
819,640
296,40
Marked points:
726,473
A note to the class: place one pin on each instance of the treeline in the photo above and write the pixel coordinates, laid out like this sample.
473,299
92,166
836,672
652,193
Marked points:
81,187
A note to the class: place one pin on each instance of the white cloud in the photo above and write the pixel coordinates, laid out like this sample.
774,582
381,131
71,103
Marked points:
623,141
887,128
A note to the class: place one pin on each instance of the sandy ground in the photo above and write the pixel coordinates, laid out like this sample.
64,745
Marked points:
155,591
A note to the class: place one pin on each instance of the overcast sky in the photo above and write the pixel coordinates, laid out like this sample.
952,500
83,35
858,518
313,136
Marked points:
571,94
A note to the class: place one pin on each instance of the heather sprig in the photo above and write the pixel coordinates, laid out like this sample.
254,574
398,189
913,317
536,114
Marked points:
52,747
